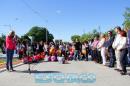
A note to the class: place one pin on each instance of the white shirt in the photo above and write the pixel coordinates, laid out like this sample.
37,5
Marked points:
122,43
116,41
83,47
46,47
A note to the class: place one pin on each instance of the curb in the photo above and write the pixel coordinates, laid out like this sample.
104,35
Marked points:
4,69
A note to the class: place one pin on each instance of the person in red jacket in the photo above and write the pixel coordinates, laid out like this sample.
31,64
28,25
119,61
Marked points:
10,47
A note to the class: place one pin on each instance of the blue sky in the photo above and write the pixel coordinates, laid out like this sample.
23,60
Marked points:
63,18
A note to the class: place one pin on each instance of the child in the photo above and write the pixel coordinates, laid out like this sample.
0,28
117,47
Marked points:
21,52
61,59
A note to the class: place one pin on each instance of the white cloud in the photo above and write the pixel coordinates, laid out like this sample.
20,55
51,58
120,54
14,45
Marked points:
58,11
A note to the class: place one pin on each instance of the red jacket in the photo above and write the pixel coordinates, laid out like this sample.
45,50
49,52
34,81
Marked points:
10,43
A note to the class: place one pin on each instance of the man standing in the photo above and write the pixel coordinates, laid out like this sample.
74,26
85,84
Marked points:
77,50
110,49
128,37
10,47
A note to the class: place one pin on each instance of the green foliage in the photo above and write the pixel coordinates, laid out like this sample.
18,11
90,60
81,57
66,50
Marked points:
75,37
2,40
39,34
87,36
127,18
95,33
24,38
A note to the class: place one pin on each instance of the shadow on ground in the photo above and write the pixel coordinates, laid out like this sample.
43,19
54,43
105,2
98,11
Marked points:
36,71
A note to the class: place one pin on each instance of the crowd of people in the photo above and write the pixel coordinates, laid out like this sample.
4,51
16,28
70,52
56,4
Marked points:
54,51
110,50
106,49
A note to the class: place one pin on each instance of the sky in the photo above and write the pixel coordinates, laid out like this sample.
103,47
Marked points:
63,18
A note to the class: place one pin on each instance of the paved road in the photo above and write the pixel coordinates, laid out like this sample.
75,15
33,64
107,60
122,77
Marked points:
104,75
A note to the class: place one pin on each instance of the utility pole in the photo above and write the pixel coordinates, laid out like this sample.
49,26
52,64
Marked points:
99,29
46,35
83,31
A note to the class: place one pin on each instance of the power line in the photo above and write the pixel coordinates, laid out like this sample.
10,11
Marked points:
10,26
34,11
38,14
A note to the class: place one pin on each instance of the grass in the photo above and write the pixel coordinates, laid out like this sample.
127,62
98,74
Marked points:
3,61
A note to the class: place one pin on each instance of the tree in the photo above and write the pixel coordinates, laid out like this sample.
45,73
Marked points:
24,39
74,37
2,39
127,18
95,33
90,35
86,37
40,33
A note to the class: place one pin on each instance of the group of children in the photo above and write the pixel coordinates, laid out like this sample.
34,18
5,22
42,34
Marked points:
51,52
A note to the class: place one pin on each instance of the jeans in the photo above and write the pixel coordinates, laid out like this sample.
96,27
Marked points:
123,59
76,55
85,57
128,60
112,58
9,59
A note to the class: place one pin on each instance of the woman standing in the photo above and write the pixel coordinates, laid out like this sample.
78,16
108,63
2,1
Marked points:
103,49
94,49
85,51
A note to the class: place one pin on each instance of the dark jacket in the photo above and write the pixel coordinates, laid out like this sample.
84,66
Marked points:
109,44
